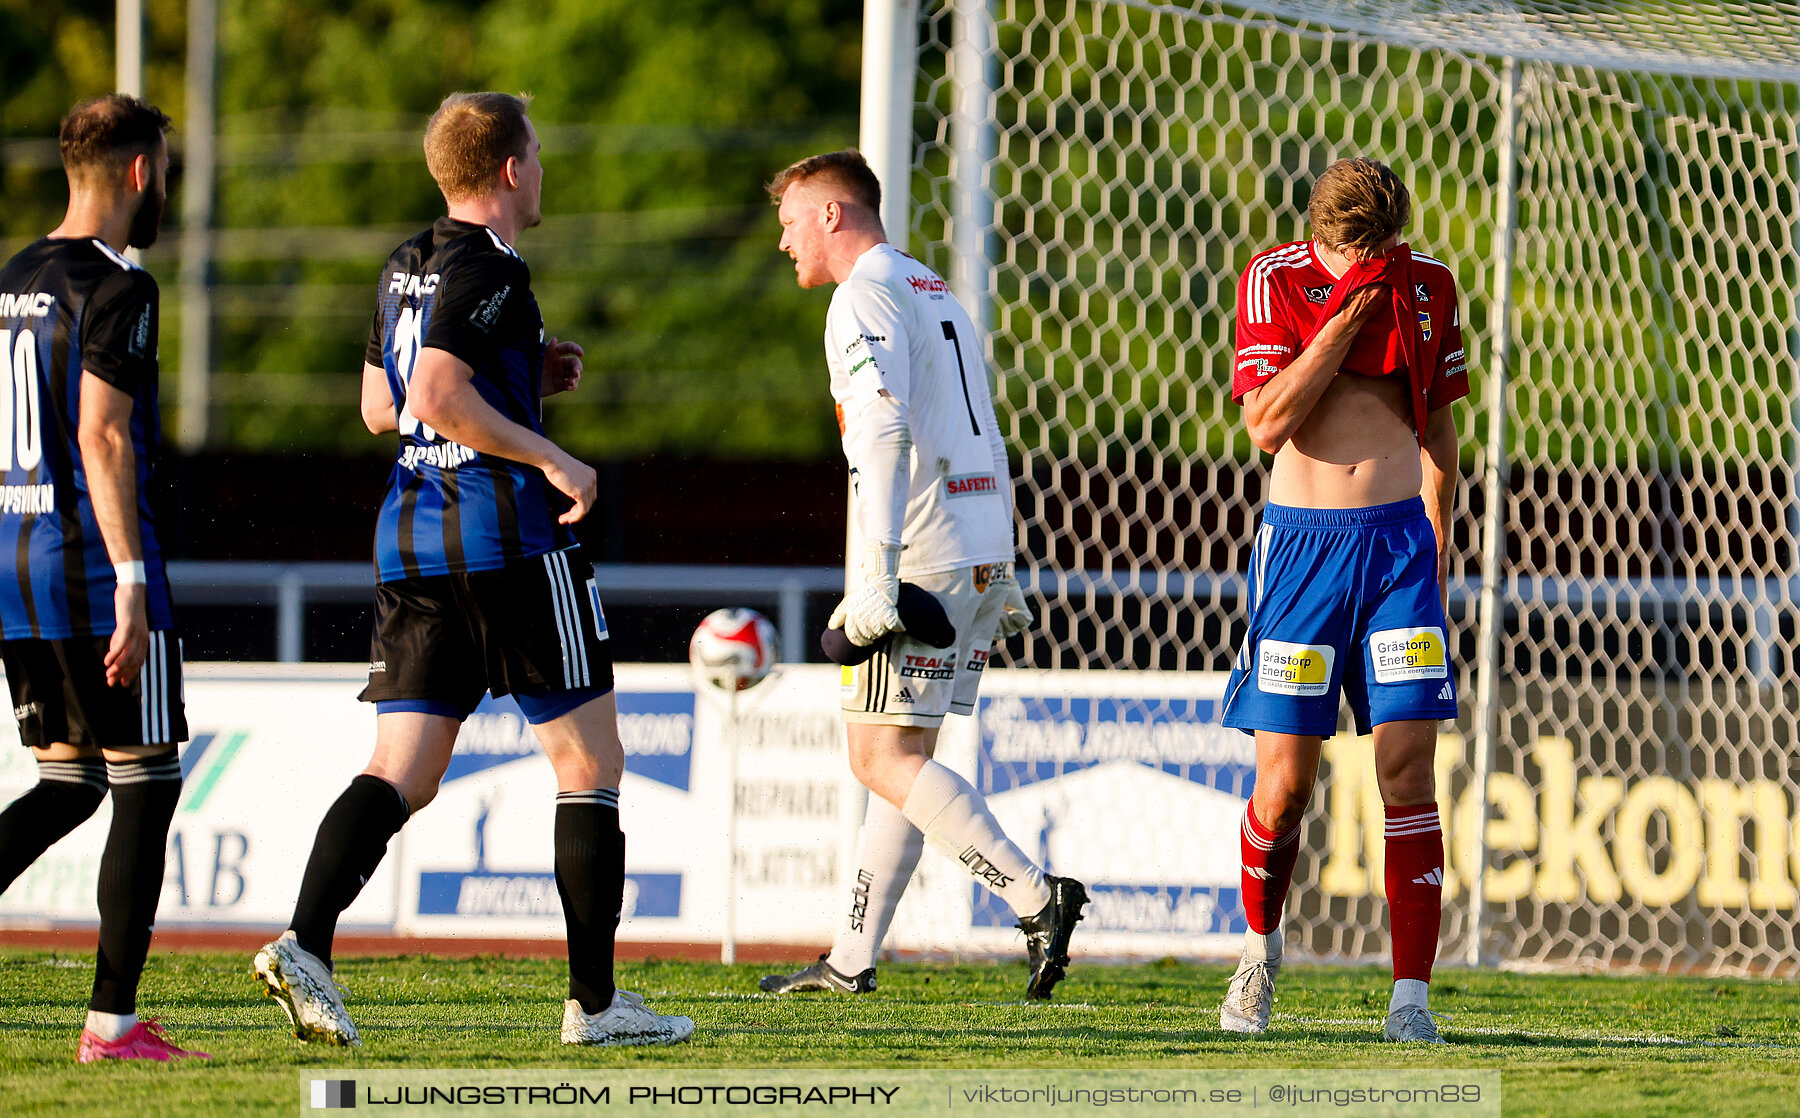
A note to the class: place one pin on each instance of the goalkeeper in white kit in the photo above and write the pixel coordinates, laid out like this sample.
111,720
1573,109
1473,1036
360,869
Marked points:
933,501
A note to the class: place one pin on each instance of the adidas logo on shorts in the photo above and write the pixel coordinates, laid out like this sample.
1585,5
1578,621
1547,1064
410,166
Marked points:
905,696
1447,694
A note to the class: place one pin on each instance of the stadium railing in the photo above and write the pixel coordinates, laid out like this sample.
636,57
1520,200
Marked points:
290,587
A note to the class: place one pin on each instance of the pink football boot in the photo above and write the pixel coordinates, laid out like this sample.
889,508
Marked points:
144,1042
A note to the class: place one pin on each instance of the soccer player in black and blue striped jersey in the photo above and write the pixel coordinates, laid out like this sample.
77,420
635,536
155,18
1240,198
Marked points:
481,585
86,628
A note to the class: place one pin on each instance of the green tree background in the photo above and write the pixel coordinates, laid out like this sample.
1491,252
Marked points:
660,123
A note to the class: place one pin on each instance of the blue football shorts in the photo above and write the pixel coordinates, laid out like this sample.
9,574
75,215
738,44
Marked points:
1342,600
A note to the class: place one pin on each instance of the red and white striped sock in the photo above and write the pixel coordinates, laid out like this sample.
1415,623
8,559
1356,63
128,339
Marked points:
1415,887
1268,871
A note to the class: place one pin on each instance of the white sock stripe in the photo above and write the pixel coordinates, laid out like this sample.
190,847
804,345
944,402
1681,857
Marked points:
1287,838
87,771
144,771
1413,829
1414,820
1400,815
605,797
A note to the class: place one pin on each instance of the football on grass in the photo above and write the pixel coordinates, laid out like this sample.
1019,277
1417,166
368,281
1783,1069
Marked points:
734,649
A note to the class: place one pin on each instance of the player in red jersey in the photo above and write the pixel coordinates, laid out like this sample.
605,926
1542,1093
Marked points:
1349,355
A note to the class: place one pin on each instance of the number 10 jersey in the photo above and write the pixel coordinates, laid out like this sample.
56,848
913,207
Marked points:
68,304
458,287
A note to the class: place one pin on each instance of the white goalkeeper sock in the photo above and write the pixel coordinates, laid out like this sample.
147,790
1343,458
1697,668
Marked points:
1409,991
886,855
1266,948
956,822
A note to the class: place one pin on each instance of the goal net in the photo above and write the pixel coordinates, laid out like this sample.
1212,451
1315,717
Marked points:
1616,190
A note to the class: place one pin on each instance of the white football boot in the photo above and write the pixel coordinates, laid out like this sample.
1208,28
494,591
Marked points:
1250,998
301,984
626,1021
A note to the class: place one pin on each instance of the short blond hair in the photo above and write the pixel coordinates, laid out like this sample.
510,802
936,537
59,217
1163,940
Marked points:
470,138
1358,204
847,171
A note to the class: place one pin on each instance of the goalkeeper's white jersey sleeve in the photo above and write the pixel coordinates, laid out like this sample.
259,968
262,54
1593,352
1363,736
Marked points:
894,328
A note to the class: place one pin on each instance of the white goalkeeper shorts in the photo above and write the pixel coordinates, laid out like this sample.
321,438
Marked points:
912,684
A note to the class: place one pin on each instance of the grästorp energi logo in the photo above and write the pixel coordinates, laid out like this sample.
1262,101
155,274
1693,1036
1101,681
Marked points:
1400,655
1284,668
1140,798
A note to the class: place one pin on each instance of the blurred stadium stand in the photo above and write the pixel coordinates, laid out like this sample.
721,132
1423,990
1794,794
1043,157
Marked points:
675,539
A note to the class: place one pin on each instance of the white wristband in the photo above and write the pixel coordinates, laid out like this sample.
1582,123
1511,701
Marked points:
130,574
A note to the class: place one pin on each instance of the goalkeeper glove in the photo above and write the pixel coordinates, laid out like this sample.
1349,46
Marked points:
872,610
1015,614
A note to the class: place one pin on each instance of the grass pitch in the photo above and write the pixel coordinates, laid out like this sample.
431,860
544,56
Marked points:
1567,1045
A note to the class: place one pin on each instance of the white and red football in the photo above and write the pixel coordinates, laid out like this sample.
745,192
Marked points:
734,649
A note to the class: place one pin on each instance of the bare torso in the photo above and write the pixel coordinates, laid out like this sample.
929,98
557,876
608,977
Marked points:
1356,448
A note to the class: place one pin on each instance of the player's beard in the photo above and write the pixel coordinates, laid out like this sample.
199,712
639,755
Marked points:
148,219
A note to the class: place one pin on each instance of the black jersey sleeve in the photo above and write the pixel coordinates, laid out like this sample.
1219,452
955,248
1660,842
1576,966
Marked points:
118,335
480,308
372,353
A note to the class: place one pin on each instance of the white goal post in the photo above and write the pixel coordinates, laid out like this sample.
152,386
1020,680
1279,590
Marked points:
1617,191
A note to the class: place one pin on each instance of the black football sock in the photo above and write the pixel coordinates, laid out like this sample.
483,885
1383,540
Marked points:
352,841
590,878
144,792
67,792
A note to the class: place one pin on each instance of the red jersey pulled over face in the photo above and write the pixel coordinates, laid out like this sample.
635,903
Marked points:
1286,296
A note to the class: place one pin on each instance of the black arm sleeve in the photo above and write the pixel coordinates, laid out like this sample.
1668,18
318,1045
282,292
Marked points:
118,337
477,308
